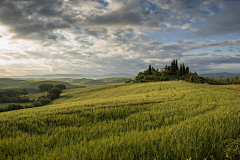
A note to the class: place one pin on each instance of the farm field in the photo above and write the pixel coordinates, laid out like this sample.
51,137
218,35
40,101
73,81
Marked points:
158,120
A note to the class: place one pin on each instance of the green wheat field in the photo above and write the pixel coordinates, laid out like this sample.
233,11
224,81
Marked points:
158,120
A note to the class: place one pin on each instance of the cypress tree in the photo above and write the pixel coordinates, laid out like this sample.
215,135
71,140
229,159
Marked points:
183,69
172,66
180,71
176,66
187,70
149,70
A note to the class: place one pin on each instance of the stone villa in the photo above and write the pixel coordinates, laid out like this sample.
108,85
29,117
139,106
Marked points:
165,68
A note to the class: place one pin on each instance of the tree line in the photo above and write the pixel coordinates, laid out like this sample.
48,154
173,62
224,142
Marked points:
227,81
13,96
10,96
53,93
172,72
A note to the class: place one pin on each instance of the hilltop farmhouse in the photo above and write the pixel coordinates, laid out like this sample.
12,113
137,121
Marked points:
167,68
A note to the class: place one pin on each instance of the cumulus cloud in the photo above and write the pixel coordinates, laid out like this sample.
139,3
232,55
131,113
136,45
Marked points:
118,36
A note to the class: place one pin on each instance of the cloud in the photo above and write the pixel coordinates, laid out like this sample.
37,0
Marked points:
180,41
33,19
114,36
115,18
1,36
224,22
52,37
3,72
62,38
217,50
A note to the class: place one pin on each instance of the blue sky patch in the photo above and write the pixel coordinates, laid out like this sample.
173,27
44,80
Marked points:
105,4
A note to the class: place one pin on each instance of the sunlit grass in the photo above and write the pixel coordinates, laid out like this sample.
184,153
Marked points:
161,120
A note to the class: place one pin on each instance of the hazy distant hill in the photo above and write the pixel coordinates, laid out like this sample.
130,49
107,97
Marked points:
225,74
31,85
73,76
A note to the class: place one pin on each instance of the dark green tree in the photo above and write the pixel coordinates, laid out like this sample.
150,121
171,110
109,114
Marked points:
226,81
60,86
24,91
187,70
54,93
44,100
1,94
45,87
149,70
176,65
10,93
183,69
172,68
180,71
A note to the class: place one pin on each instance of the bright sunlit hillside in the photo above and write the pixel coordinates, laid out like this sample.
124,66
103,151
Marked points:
160,120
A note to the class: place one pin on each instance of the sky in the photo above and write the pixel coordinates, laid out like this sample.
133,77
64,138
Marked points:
99,37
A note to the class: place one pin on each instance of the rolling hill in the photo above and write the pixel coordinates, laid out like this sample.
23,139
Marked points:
159,120
31,85
95,82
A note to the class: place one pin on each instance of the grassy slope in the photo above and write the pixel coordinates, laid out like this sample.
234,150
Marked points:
95,82
162,120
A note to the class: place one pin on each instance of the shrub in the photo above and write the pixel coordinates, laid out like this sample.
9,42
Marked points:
2,109
13,106
55,91
44,100
165,78
60,86
36,103
52,96
129,81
